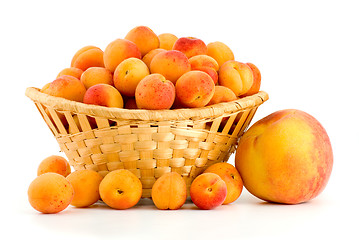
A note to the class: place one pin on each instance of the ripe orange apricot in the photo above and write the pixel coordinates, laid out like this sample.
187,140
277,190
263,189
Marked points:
96,75
72,71
86,184
90,58
50,193
67,87
120,189
55,164
169,191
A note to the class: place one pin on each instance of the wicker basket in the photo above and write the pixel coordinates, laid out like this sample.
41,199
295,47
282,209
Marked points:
149,143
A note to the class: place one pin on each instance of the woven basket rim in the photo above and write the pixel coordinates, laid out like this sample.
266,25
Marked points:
212,111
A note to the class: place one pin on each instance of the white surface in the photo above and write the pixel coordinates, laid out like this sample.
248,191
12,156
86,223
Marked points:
307,52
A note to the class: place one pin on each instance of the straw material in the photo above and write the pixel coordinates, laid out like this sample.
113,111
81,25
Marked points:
149,143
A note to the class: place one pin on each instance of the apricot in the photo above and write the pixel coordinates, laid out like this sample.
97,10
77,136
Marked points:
103,95
167,40
119,50
200,61
190,46
55,164
67,87
147,59
208,191
222,94
128,74
169,191
256,80
154,92
231,177
45,87
194,89
237,76
220,52
96,75
120,189
286,157
80,51
145,39
50,193
86,184
92,57
72,71
210,71
171,64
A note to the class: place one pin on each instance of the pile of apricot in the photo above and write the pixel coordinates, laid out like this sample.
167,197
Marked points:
56,187
144,70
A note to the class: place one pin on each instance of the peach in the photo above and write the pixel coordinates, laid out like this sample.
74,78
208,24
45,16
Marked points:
231,177
222,94
220,52
167,40
120,189
55,164
169,191
67,87
92,57
119,50
72,71
128,74
155,92
131,104
256,80
194,89
199,61
96,75
103,95
208,191
171,64
237,76
285,157
190,46
50,193
145,39
150,55
86,184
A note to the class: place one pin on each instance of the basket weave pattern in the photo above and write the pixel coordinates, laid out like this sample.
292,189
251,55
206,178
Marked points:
149,143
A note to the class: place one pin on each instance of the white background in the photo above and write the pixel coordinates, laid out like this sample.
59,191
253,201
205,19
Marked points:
307,52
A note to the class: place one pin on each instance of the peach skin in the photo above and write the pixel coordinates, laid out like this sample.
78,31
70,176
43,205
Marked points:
222,94
150,55
154,92
72,71
144,38
285,157
208,191
90,58
237,76
86,184
67,87
194,89
169,191
55,164
220,52
119,50
256,80
96,75
103,95
167,40
50,193
190,46
128,74
171,64
231,177
120,189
